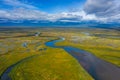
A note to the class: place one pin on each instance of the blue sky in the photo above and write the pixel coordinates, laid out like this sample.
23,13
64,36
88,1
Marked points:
18,11
52,6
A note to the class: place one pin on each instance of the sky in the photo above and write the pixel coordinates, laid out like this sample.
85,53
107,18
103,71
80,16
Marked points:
75,11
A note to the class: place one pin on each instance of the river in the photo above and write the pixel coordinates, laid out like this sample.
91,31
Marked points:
96,67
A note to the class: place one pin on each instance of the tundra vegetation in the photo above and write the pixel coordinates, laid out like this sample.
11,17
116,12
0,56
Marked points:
54,63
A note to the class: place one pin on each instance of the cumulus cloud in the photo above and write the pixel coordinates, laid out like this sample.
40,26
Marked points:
109,9
24,11
97,6
98,10
26,14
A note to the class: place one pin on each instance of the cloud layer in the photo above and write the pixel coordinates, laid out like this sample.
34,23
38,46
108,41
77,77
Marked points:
97,10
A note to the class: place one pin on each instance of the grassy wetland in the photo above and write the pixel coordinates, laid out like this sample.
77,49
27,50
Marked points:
103,43
33,60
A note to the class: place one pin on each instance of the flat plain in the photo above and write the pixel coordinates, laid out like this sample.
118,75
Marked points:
33,60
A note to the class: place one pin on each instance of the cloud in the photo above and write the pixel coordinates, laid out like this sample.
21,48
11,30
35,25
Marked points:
105,10
17,3
22,14
26,14
97,10
102,8
24,11
77,16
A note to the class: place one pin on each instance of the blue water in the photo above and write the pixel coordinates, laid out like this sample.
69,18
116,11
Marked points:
97,68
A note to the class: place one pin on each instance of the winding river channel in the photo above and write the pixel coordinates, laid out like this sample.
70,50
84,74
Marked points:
97,68
5,74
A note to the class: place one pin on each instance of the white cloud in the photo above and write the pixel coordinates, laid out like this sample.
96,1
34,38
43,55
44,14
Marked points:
107,10
73,16
22,14
98,6
24,11
26,14
87,16
98,10
17,3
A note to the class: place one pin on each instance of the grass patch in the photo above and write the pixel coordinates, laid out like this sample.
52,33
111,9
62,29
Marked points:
53,64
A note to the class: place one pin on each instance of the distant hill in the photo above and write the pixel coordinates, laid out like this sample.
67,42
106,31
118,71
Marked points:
92,24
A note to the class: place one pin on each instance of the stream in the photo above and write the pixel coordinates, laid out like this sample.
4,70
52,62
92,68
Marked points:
5,74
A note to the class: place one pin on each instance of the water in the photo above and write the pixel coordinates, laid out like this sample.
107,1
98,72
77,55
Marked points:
5,74
97,68
24,44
